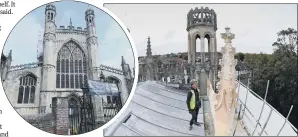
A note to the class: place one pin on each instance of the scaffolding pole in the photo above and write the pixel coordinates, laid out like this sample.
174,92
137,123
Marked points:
266,122
238,82
286,119
238,118
246,98
264,102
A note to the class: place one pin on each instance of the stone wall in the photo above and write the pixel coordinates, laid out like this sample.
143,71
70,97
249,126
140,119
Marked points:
41,121
11,88
60,115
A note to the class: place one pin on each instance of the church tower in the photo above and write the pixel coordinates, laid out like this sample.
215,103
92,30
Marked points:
92,46
201,25
49,40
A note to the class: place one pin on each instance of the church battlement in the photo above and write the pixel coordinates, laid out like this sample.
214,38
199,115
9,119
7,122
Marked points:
111,69
201,17
24,66
72,29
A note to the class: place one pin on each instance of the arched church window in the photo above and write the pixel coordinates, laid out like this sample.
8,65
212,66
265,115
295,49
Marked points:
71,62
27,89
90,19
49,16
52,16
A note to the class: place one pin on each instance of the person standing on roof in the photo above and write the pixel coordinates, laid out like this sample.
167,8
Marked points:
193,103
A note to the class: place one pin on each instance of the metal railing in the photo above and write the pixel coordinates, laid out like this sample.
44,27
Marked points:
110,110
259,118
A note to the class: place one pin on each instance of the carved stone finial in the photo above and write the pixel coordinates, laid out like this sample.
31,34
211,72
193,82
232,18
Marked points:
226,104
10,54
227,36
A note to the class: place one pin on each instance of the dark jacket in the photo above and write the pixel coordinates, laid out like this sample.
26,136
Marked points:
189,94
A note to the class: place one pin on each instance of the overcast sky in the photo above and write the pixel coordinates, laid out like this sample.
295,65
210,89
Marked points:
254,25
112,40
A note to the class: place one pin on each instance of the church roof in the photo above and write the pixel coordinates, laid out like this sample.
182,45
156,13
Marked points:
156,110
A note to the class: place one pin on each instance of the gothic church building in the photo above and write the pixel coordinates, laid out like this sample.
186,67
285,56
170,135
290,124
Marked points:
69,59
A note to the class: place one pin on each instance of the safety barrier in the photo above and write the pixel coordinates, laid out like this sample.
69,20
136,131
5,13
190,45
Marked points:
259,117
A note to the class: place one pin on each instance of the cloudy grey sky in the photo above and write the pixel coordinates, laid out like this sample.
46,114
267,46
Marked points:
254,25
112,40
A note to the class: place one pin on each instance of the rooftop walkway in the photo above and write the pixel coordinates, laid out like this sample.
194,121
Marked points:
156,110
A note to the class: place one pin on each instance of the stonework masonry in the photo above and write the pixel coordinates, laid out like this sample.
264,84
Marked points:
60,113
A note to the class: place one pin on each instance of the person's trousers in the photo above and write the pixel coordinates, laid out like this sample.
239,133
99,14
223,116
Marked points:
194,114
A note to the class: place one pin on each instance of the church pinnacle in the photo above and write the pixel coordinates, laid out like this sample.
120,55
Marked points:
10,55
70,22
123,61
149,53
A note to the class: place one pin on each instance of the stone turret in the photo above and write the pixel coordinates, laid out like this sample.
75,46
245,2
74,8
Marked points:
49,40
201,25
201,17
92,45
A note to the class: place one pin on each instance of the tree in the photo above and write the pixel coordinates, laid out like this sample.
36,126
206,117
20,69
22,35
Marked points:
284,66
239,56
286,41
281,69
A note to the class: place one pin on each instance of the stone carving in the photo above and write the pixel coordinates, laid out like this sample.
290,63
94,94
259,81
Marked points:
219,99
92,41
50,27
228,36
48,68
225,100
49,37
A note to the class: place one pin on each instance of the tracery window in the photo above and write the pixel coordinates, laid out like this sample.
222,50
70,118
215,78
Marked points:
27,89
71,67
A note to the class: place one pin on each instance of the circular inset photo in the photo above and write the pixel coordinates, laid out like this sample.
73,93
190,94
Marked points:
67,67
